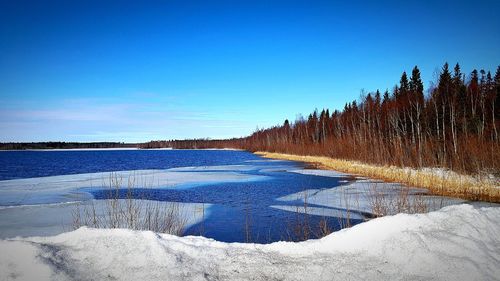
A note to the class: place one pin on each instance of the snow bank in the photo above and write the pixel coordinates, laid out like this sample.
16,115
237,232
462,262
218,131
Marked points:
455,243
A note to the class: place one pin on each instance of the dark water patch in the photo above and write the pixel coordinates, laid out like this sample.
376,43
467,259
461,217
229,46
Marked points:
242,212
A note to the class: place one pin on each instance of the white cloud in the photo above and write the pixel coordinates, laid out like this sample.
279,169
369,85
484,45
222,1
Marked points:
100,120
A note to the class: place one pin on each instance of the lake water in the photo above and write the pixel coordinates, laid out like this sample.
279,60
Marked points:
240,209
31,164
245,198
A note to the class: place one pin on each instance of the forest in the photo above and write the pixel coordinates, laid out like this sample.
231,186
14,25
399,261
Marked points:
454,125
62,145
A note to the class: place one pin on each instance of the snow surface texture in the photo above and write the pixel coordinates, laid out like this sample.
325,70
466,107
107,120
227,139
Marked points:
456,243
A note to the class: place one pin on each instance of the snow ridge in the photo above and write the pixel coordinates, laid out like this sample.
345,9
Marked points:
454,243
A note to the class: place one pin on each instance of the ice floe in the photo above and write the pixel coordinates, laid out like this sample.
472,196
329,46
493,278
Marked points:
52,219
67,188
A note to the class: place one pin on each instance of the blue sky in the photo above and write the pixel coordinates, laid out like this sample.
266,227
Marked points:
137,71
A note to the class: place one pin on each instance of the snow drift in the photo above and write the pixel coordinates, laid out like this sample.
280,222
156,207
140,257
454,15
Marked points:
455,243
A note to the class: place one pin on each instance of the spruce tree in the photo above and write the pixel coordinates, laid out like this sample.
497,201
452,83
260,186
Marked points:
404,84
416,84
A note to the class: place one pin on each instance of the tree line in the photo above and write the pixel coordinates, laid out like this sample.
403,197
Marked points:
455,125
62,145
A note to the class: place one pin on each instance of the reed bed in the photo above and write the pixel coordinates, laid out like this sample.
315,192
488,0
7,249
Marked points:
128,211
437,181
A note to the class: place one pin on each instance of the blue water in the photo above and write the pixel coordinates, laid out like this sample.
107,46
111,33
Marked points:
240,212
31,164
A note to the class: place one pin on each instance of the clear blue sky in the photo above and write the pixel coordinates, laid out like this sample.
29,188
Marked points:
124,71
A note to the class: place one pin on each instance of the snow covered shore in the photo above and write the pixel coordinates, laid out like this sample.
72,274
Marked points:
360,197
455,243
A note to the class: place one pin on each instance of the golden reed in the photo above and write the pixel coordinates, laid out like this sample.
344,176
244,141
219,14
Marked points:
438,182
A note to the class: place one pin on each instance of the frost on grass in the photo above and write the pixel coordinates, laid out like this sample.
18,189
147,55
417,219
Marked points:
455,243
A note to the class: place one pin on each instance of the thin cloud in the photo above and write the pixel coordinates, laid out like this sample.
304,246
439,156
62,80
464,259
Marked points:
108,120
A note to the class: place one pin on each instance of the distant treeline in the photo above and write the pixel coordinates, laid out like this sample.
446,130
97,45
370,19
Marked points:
455,125
193,144
62,145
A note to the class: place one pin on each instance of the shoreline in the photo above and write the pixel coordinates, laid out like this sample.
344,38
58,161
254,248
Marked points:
72,149
437,181
119,148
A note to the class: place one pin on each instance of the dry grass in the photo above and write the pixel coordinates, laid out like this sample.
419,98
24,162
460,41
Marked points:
385,203
445,183
129,212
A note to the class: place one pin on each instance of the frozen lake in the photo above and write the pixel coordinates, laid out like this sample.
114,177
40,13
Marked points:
232,196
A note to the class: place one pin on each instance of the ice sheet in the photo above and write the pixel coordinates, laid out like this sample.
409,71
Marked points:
362,195
51,219
67,188
318,211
